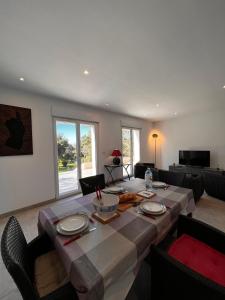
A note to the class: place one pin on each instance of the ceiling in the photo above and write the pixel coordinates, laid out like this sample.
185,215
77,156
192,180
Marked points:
139,54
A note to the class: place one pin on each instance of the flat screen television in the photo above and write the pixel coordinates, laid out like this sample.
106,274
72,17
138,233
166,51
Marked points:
194,158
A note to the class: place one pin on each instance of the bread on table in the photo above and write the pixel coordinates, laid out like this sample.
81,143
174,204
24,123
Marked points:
127,197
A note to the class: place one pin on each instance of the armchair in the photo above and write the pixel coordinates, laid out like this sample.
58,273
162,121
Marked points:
171,278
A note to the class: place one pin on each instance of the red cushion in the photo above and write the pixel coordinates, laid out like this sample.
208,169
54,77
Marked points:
199,257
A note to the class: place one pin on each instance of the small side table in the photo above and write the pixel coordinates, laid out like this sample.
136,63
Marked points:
111,168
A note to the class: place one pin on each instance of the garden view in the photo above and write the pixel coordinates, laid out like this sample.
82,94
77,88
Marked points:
69,166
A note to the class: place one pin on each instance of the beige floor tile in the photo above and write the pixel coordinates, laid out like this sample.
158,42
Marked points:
211,211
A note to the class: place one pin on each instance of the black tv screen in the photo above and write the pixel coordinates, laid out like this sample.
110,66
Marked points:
194,158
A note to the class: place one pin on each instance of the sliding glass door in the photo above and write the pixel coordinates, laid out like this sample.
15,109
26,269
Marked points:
87,150
130,148
75,154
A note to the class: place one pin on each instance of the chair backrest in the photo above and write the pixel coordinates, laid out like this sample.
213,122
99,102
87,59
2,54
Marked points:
194,182
155,174
140,168
15,256
89,184
173,178
214,185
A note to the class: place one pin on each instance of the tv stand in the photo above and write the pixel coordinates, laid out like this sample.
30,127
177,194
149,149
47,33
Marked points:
194,170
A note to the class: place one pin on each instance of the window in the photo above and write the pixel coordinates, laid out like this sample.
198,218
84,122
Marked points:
75,154
130,148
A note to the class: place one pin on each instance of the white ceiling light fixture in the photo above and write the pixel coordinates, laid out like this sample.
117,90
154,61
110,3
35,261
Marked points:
106,104
86,72
224,87
157,105
175,113
22,79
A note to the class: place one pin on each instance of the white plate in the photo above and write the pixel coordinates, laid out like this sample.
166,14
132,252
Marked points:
73,223
158,184
152,207
114,189
158,214
60,231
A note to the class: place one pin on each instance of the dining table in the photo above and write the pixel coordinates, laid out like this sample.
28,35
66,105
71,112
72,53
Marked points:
103,264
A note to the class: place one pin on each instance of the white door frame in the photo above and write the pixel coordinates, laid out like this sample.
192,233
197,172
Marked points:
77,122
131,139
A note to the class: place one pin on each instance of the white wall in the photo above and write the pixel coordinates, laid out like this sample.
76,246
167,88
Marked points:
30,179
200,131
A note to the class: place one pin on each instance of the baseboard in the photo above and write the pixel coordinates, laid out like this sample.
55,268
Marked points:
16,211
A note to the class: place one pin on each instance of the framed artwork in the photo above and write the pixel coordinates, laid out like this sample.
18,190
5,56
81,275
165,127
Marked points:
15,131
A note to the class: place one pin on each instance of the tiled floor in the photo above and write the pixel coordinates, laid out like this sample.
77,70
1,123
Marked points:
209,210
68,181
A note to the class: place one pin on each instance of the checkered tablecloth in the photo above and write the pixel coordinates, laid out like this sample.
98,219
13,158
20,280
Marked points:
103,264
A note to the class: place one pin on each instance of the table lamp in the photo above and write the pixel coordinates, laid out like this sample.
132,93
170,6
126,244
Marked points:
116,153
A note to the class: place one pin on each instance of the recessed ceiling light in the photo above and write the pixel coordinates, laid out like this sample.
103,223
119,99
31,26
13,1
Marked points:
175,113
157,105
106,104
86,72
21,79
224,87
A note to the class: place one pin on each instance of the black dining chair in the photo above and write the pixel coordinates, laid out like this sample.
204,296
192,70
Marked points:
175,278
88,184
35,267
173,178
140,169
194,182
214,185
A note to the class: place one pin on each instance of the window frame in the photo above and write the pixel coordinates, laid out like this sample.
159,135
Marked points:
78,122
132,150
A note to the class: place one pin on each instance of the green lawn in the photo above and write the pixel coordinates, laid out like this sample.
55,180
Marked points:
69,167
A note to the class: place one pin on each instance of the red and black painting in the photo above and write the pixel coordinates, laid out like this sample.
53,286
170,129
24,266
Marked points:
15,131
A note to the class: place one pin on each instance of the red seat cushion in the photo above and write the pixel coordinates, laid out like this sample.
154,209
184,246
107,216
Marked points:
199,257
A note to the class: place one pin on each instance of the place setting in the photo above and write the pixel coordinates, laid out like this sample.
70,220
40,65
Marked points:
114,190
159,185
74,226
151,209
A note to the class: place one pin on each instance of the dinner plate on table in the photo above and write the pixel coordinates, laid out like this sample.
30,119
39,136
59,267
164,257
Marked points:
159,184
73,224
114,190
152,207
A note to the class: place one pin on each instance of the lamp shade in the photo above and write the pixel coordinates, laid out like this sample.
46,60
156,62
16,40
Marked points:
116,152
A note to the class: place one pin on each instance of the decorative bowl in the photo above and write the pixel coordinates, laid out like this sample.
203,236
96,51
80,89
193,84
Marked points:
106,206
